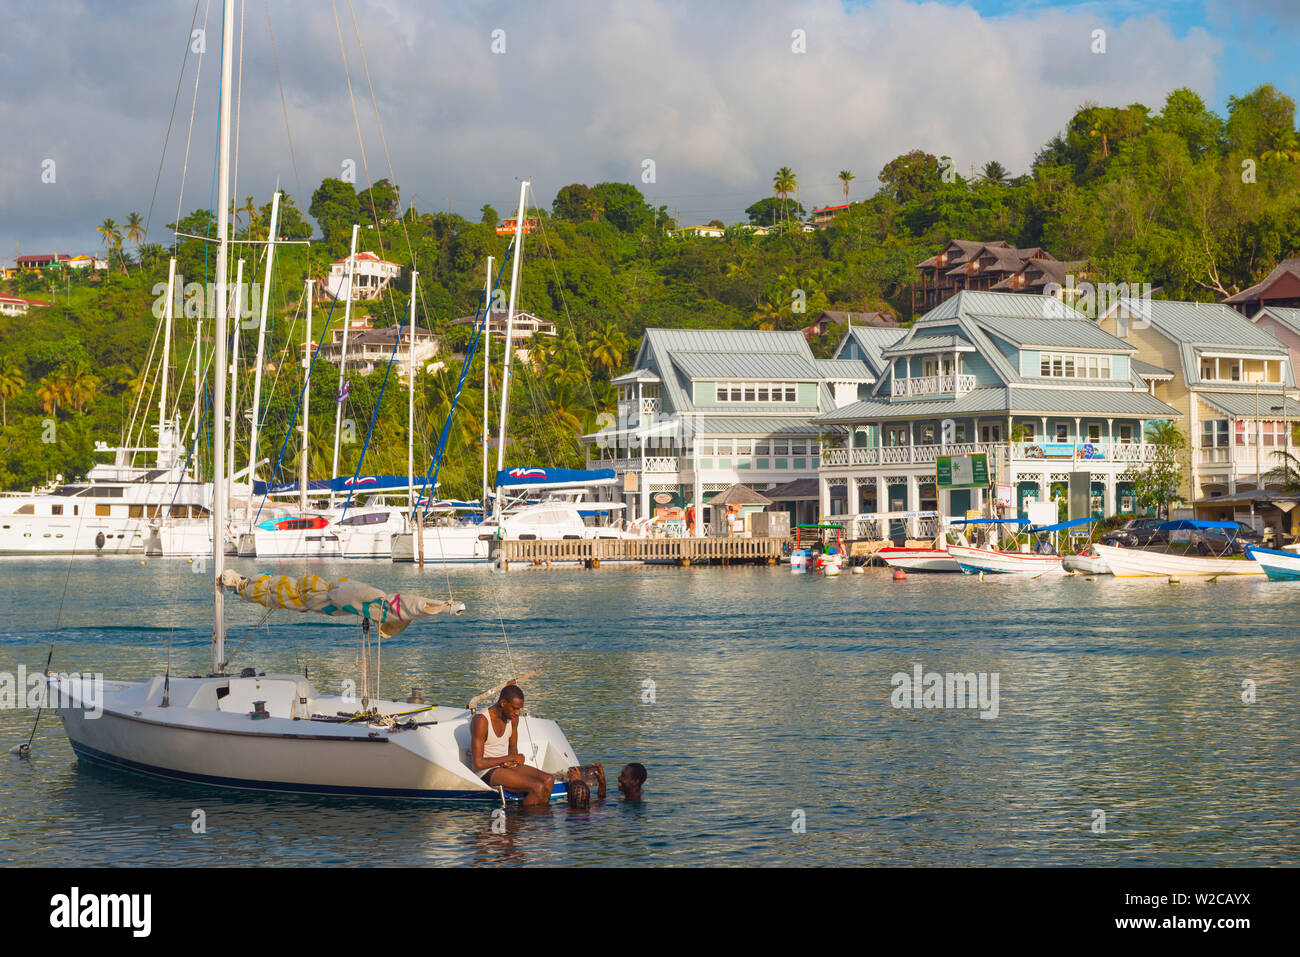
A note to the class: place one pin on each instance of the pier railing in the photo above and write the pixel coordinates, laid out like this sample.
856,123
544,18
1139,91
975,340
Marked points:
684,551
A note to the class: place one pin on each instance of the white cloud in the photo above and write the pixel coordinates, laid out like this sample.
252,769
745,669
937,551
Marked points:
585,91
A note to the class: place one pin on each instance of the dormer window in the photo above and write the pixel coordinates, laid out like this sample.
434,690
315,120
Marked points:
1059,365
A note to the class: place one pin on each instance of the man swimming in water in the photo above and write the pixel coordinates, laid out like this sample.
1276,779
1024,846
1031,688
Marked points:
630,780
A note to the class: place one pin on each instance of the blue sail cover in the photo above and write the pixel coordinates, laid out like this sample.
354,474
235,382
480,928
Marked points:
346,483
520,477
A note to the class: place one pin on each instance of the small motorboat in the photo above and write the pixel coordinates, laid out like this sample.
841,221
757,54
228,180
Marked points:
1278,565
919,559
976,560
1085,563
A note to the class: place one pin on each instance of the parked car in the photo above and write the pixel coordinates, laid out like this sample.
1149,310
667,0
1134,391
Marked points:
1138,532
1230,541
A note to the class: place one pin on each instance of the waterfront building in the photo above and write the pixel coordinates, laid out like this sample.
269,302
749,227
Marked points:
702,410
16,306
1232,383
1283,324
1032,384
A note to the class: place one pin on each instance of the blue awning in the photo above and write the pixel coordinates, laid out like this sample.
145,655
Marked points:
990,521
1060,526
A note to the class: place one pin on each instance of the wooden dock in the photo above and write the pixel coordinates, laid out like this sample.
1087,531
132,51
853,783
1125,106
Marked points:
590,552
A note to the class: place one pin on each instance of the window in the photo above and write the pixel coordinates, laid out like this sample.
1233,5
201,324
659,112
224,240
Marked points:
28,509
762,447
1094,433
763,392
135,511
798,447
749,392
1068,366
896,435
103,510
1214,433
735,393
991,433
927,435
1126,434
790,394
959,432
1062,432
366,518
722,392
1235,371
781,447
56,509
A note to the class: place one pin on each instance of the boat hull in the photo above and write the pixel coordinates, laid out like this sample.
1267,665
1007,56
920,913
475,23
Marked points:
975,560
1140,563
1278,566
1085,565
282,754
919,559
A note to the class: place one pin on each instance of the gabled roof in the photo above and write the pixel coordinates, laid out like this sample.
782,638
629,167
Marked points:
1147,371
1207,324
1287,316
871,342
1285,267
739,494
917,344
636,375
708,348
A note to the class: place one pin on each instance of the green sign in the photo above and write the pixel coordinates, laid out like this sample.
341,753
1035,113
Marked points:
962,471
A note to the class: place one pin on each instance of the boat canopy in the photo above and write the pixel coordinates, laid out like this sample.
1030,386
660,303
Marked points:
1185,524
1061,526
553,478
342,596
342,483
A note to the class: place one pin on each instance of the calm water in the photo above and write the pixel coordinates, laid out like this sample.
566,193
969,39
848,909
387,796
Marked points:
772,696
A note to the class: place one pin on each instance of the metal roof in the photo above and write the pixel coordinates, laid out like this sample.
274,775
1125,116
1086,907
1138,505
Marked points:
1201,323
842,369
1077,333
1147,371
1013,400
743,365
709,425
636,375
871,340
1013,304
1287,316
1242,405
929,344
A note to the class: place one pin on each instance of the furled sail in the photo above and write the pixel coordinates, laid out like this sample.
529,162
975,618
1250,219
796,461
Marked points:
342,596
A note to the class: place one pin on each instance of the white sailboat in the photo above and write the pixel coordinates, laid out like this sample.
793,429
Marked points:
276,732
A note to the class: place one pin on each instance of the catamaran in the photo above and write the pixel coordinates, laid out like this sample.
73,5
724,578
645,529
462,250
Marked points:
276,732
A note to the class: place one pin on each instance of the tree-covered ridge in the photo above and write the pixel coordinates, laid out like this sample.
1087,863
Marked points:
1197,204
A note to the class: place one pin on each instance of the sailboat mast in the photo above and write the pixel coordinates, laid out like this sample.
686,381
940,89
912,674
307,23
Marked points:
487,364
410,406
166,357
343,360
234,377
510,321
306,406
219,343
261,347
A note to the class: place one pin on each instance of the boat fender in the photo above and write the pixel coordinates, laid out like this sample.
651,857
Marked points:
99,540
900,575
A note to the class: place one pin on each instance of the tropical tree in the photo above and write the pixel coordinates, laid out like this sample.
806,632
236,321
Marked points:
607,345
12,384
112,240
1156,486
1286,473
80,385
49,391
846,177
995,173
135,230
783,184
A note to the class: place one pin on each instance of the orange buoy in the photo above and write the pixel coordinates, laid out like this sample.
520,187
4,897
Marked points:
900,575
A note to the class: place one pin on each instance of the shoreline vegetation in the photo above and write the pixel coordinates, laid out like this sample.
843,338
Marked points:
1197,204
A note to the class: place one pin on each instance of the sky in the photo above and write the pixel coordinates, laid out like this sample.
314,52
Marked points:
109,107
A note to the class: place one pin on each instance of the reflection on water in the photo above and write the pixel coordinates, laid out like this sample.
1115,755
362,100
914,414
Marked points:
771,694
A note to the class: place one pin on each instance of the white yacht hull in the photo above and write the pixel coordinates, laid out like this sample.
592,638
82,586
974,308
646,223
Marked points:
81,535
446,545
1138,563
207,745
976,560
919,559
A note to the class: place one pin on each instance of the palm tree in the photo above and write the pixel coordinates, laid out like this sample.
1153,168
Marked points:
783,184
12,384
80,385
846,177
1286,473
1283,146
995,173
111,233
135,231
50,394
607,345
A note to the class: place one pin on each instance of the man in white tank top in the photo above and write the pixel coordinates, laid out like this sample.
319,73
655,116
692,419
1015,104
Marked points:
494,754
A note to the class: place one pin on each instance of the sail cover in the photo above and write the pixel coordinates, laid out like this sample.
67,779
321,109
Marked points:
551,478
341,596
342,483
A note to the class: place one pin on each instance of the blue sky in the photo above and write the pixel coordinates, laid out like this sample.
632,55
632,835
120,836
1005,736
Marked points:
586,91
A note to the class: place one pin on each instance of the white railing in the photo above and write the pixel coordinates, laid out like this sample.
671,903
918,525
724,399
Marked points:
1083,452
933,385
1220,455
900,454
661,463
650,406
